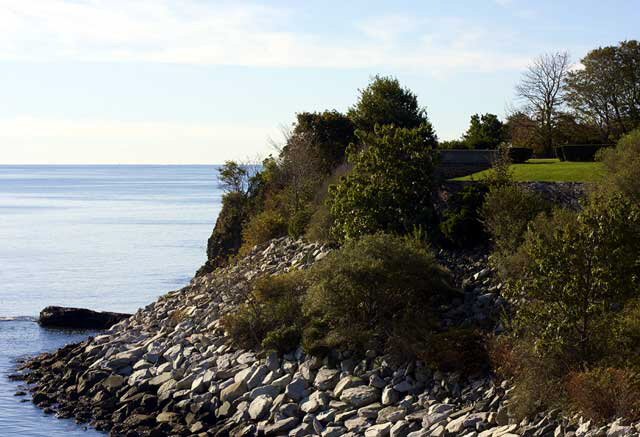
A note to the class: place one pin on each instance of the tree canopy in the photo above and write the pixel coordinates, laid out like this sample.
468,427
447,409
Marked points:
385,101
606,91
485,131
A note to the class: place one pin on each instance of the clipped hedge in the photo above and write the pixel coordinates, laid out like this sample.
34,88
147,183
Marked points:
578,152
518,155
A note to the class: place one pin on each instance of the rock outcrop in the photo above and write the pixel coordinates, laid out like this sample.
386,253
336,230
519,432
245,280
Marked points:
170,369
64,317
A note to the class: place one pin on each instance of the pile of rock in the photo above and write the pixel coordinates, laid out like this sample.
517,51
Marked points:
171,370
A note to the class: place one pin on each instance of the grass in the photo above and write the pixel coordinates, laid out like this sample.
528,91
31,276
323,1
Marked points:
549,170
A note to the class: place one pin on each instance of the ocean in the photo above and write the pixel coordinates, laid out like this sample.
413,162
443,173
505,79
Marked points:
109,238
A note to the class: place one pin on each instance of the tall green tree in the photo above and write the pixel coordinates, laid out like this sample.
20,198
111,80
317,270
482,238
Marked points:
485,131
606,91
385,101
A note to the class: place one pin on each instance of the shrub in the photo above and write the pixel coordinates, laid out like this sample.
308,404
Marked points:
538,380
622,166
320,223
461,222
298,222
577,273
507,211
261,228
373,290
389,188
582,152
519,155
604,394
271,317
456,350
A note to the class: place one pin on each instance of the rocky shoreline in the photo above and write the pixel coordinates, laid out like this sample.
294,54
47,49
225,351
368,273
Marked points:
170,370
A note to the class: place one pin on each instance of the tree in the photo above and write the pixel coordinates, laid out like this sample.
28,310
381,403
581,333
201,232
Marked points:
521,130
233,177
541,91
578,269
606,91
485,131
385,101
328,133
389,188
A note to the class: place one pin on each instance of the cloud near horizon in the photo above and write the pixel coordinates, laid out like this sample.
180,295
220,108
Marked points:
39,140
237,34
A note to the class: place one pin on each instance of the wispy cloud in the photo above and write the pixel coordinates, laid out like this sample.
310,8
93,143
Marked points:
221,33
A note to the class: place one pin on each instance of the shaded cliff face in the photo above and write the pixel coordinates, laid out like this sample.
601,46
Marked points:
226,237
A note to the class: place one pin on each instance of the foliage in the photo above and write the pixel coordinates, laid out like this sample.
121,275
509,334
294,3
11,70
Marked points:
452,144
506,212
372,291
456,350
261,228
605,394
328,134
485,131
539,381
271,316
501,172
522,131
622,166
233,177
605,91
320,223
389,188
518,155
578,152
577,273
384,102
461,223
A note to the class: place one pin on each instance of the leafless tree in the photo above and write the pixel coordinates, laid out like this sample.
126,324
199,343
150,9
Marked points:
541,89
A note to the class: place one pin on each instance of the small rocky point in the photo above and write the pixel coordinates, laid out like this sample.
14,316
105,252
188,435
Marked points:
170,370
65,317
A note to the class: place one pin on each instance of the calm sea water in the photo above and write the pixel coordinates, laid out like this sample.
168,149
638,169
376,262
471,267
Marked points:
101,237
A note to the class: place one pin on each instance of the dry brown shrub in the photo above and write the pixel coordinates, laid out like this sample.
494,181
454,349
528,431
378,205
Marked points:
603,394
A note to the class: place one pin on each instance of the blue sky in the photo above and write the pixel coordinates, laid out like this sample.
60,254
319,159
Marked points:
201,81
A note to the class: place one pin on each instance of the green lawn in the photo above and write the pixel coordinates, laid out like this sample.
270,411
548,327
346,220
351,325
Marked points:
549,170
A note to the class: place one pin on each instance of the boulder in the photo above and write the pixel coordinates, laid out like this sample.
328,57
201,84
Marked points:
64,317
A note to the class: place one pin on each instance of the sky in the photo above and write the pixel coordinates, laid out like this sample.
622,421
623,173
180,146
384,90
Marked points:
203,81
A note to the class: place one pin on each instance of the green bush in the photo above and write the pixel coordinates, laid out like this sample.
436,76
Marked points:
320,223
577,273
622,166
389,188
261,228
461,223
372,291
507,211
519,155
298,222
271,317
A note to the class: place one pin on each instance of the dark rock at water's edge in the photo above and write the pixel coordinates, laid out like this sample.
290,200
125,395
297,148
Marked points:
64,317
